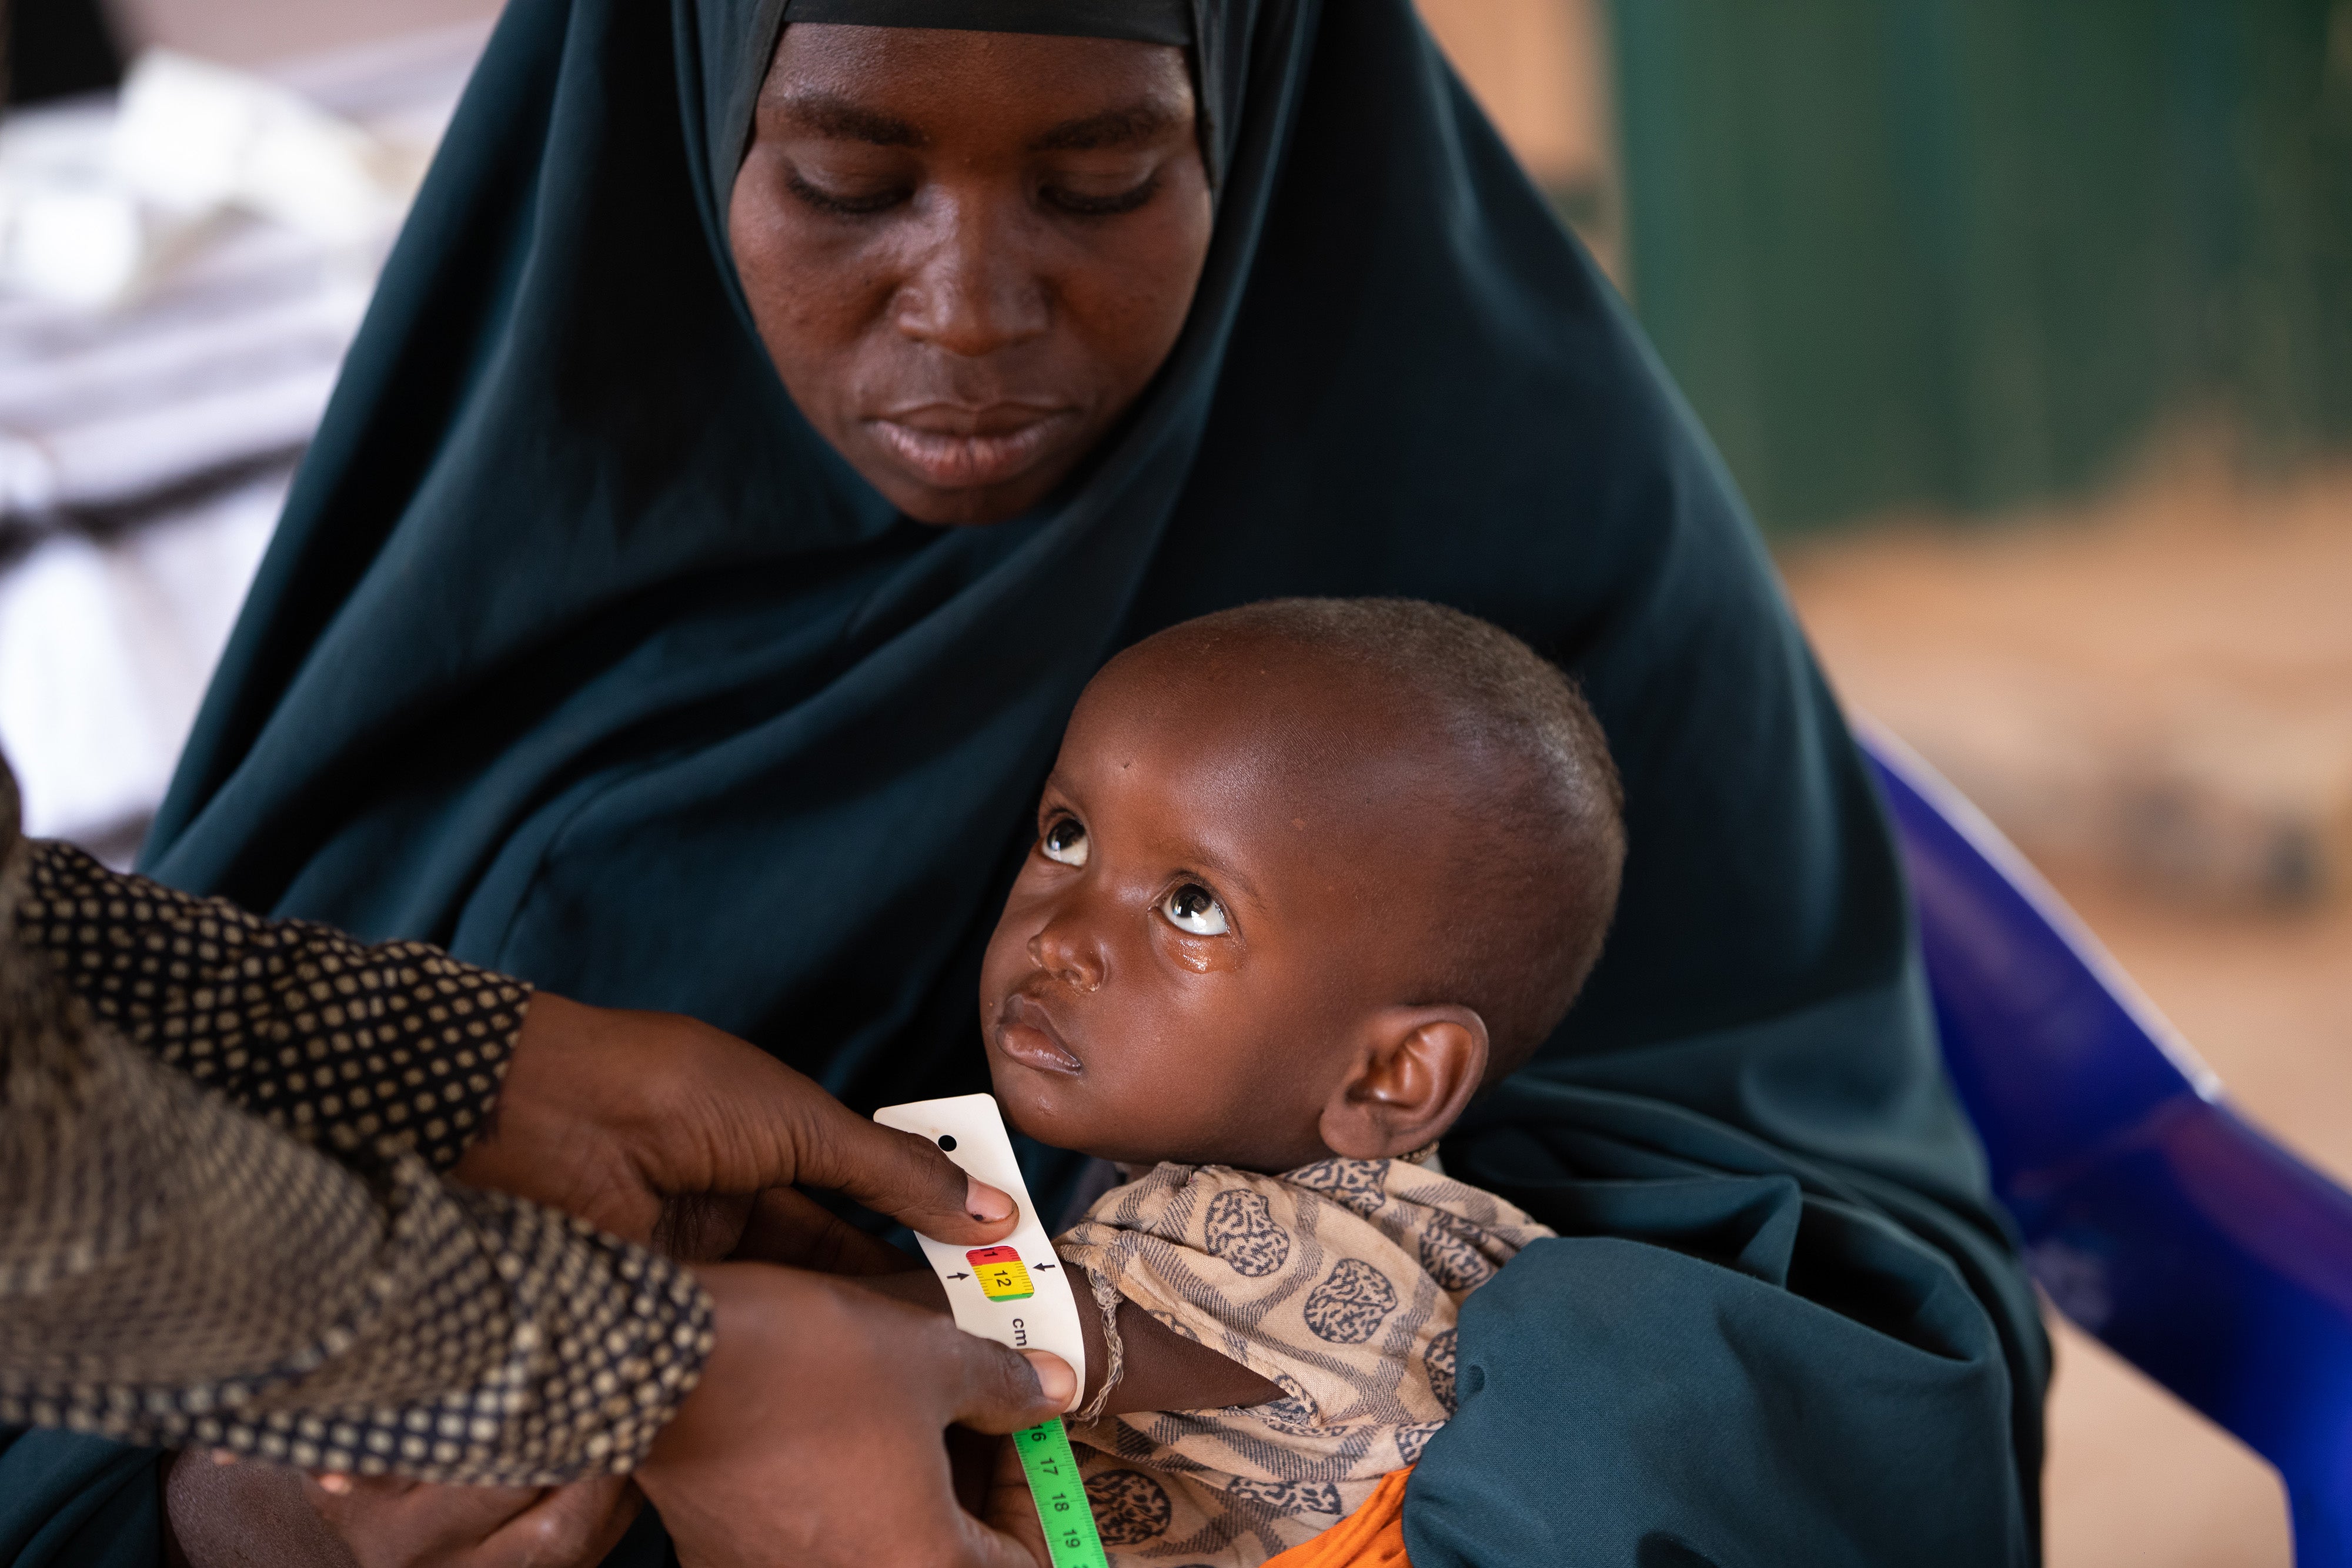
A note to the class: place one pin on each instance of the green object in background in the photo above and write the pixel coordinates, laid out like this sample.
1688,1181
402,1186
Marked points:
1972,253
1061,1496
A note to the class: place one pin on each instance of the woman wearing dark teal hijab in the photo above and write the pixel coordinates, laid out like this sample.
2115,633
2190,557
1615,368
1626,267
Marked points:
596,648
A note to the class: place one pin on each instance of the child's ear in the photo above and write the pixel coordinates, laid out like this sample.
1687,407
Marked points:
1415,1070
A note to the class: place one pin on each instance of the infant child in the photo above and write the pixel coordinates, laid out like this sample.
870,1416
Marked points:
1309,874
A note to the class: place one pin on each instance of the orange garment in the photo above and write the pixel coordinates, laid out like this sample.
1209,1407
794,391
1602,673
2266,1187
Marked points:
1371,1537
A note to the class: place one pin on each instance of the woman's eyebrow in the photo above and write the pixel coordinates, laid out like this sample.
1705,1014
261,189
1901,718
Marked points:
1112,127
826,115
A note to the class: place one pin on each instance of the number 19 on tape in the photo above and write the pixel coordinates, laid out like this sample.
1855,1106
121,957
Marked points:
1061,1496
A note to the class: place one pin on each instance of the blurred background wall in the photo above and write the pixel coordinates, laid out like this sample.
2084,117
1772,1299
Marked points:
2025,328
2027,332
1976,253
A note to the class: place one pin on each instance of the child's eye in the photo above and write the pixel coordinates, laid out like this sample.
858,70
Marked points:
1194,908
1065,841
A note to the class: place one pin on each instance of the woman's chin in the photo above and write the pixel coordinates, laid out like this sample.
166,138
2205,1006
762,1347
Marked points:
981,507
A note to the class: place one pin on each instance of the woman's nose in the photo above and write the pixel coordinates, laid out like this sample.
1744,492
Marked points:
975,292
1066,949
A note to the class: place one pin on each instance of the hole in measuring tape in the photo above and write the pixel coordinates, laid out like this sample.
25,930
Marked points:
947,1141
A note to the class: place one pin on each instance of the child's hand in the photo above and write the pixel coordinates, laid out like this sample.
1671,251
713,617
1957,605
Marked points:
1009,1508
243,1513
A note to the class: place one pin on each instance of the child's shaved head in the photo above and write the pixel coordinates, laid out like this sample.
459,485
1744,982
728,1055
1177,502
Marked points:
1308,873
1534,791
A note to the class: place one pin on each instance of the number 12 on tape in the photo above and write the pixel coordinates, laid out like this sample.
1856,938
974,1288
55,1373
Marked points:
1060,1495
1003,1276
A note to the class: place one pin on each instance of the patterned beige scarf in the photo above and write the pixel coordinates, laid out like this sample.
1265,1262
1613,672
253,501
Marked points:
1341,1281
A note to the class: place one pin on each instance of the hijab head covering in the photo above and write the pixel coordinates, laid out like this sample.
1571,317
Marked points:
1143,21
579,653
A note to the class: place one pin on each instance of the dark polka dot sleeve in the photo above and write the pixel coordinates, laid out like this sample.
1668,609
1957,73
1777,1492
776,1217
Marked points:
176,1271
369,1050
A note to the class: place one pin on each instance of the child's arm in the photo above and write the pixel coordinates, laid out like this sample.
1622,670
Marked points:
1164,1371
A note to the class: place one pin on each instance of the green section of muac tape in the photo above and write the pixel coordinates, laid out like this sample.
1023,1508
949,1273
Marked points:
1061,1494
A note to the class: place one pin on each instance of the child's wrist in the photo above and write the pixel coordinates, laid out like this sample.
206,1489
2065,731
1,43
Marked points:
1112,1361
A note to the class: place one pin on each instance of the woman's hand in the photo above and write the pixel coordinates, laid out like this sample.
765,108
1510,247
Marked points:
660,1129
663,1130
814,1437
1008,1506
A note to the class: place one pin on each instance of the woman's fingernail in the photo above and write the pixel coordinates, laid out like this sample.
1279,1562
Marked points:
224,1457
335,1482
1054,1377
985,1204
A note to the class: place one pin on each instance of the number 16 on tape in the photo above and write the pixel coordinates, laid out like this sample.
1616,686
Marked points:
1060,1495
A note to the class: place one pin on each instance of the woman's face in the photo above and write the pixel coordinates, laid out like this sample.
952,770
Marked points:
968,252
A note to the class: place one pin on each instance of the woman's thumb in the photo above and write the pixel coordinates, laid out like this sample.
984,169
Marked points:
1002,1390
906,1177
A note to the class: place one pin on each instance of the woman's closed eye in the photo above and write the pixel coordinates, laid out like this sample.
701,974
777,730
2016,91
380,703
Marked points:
1063,842
1194,910
865,196
848,201
1086,203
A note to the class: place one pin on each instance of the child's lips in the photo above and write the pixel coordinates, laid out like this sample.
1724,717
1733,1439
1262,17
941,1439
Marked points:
1026,1032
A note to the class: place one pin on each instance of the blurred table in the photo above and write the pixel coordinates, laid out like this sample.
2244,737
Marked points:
146,446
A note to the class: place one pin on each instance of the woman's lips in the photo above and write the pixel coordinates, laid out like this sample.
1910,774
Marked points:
964,449
1026,1034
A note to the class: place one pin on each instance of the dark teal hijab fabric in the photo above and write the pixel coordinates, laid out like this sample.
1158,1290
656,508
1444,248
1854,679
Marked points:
579,653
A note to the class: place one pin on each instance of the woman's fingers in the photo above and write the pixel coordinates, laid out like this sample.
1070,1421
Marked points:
259,1515
853,1470
246,1514
793,1229
570,1527
390,1522
895,1172
701,1227
987,1547
990,1388
1008,1509
655,1126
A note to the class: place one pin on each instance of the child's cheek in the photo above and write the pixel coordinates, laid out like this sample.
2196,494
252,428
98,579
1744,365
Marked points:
1200,955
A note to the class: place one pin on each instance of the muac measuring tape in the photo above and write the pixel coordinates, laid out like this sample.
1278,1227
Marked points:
1014,1293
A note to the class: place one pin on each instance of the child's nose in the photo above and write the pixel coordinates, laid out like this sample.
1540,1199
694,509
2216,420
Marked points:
1065,949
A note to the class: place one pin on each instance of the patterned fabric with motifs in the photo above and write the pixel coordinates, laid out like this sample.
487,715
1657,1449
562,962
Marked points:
176,1270
1341,1281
